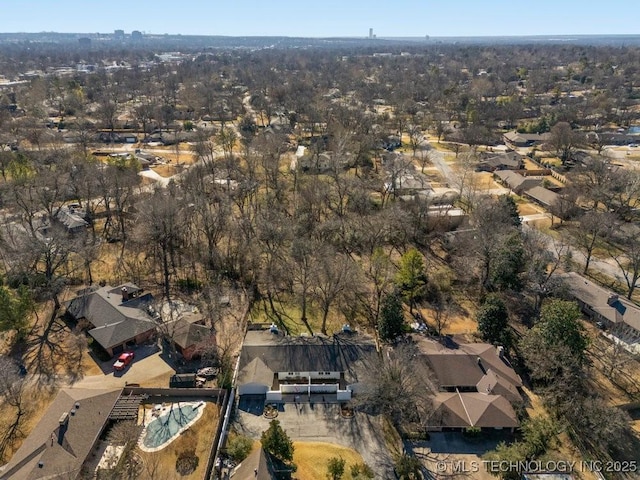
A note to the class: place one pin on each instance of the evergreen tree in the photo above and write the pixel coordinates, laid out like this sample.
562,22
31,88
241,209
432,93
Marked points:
276,442
391,323
15,308
559,326
412,277
493,321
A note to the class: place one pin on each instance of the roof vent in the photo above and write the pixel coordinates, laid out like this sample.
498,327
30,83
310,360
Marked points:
77,405
40,464
273,328
72,412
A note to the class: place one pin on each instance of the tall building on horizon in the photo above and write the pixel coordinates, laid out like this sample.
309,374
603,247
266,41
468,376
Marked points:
371,33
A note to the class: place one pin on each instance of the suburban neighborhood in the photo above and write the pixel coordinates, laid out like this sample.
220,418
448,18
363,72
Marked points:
305,258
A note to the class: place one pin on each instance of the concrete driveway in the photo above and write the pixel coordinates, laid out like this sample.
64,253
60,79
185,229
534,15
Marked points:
147,369
323,423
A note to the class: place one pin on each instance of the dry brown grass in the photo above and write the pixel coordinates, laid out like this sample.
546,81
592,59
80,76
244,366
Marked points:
166,171
39,401
459,321
528,209
201,434
312,457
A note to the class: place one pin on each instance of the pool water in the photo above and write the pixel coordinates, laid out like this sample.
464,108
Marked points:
634,130
161,431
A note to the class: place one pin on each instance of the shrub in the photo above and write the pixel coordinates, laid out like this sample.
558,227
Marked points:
239,447
187,462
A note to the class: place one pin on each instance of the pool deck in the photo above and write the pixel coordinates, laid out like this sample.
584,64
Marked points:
149,418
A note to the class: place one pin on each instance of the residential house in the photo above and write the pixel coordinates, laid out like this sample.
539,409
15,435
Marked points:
255,467
503,161
323,162
477,385
618,314
190,335
64,437
514,139
515,181
281,367
543,196
118,317
72,217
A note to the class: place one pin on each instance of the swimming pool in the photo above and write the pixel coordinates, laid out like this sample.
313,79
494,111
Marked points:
635,130
161,431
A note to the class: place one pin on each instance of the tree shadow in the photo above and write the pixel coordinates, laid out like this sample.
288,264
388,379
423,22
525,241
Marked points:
53,352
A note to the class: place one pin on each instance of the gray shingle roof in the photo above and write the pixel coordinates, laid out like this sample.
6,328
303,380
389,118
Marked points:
518,183
187,332
543,195
114,321
279,353
62,451
596,297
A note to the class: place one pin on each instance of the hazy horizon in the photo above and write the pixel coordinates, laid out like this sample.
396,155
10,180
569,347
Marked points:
332,18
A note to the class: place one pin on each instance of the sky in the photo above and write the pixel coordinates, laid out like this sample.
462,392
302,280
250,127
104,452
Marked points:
325,18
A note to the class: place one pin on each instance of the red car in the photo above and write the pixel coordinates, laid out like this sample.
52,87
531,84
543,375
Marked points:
123,360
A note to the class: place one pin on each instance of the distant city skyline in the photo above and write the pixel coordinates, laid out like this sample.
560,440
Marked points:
331,18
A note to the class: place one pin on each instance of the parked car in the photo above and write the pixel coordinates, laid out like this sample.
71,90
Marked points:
123,360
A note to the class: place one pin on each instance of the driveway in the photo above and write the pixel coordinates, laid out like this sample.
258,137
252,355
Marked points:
318,422
449,454
147,369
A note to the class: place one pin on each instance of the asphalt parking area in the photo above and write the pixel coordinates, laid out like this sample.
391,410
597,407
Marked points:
318,422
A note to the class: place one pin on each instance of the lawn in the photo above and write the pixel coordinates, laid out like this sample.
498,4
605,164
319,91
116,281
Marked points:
290,312
312,457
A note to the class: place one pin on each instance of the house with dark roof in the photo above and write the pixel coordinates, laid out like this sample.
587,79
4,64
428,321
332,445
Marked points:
514,139
117,316
543,196
255,467
282,367
72,217
477,385
515,181
503,161
190,335
60,443
620,315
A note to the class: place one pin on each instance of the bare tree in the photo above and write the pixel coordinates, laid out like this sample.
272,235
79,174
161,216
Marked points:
592,227
15,398
626,254
400,384
335,274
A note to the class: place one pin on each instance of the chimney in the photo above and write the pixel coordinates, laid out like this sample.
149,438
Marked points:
613,298
64,419
500,350
125,294
479,360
